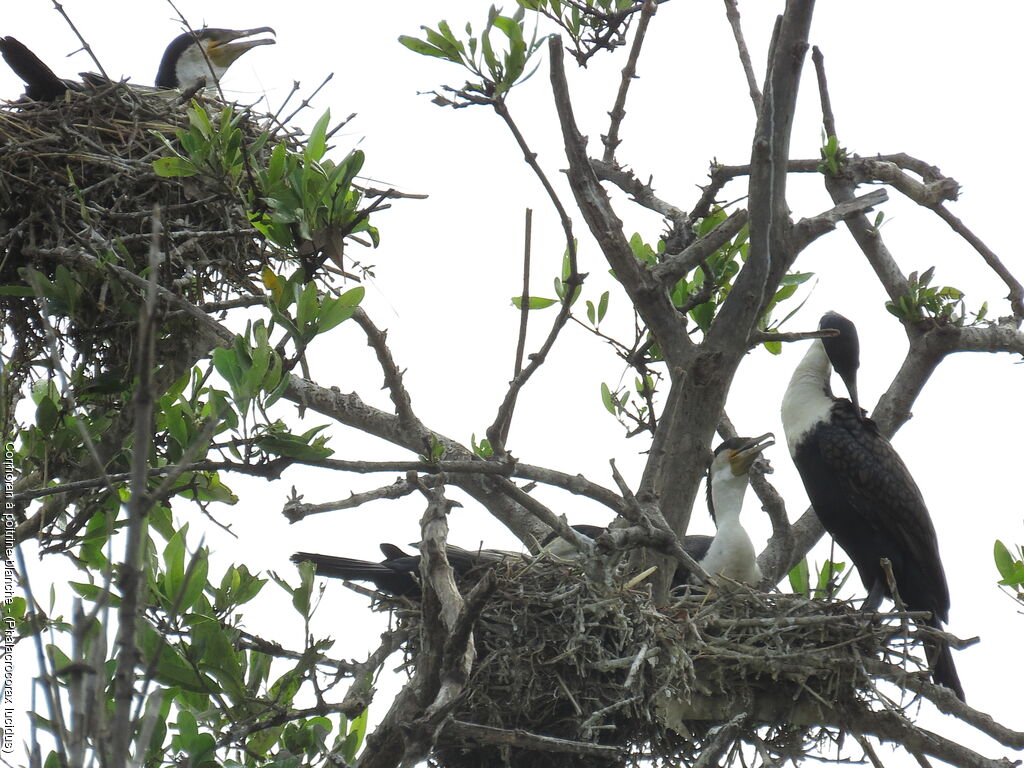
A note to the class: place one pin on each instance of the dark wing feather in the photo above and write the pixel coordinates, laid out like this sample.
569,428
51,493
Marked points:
41,84
886,514
696,546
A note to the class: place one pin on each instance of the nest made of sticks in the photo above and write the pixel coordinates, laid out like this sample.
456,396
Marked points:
560,657
78,191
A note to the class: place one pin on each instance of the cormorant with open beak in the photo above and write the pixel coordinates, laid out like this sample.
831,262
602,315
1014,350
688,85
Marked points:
860,489
205,54
729,552
191,60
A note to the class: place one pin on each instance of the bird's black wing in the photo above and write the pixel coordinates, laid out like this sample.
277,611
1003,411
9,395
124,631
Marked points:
41,84
890,518
696,546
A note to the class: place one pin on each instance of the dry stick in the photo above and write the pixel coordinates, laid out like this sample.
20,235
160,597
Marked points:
574,280
828,118
524,308
377,340
486,734
612,141
85,45
306,101
732,13
1016,295
131,579
866,237
524,317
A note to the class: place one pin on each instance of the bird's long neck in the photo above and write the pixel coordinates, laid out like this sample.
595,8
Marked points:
808,399
731,552
727,493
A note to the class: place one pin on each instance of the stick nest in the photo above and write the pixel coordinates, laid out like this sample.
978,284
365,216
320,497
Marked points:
562,658
78,191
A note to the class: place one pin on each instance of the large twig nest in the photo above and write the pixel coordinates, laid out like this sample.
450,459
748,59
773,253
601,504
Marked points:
78,190
558,656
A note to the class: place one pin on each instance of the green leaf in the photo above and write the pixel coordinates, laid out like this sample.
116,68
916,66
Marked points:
421,47
608,399
1004,560
799,579
533,302
316,146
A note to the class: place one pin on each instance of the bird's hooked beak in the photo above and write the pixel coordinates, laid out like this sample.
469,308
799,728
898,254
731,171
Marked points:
743,457
844,352
223,50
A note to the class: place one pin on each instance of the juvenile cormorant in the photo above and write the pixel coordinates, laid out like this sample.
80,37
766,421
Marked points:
729,552
860,489
207,54
183,65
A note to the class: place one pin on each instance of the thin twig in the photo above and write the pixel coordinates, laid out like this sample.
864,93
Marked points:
85,45
732,13
611,140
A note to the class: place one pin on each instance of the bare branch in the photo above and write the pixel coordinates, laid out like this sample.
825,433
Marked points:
809,230
572,282
486,734
377,339
645,292
1016,295
611,141
732,13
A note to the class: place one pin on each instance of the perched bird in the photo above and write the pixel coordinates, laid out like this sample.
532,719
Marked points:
860,489
729,552
190,61
205,55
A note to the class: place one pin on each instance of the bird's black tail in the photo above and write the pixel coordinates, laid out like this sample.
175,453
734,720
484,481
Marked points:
42,84
396,576
342,567
941,660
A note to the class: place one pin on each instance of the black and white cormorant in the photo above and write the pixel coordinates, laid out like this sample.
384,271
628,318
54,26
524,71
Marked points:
729,552
190,60
860,489
205,55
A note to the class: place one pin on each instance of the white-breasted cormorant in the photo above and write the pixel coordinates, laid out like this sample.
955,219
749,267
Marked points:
729,552
860,489
206,55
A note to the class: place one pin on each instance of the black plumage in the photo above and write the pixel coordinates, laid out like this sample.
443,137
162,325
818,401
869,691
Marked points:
41,84
862,491
398,573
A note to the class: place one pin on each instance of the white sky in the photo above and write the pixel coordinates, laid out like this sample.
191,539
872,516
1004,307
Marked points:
928,78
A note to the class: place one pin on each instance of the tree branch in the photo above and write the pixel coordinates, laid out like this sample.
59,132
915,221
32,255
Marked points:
611,141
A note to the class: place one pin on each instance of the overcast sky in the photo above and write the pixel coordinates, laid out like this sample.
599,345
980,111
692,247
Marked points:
936,80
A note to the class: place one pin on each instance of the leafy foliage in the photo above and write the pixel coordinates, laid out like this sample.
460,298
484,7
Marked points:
1011,568
496,70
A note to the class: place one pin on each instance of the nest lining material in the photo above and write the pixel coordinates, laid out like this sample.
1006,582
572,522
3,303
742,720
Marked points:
560,657
77,190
